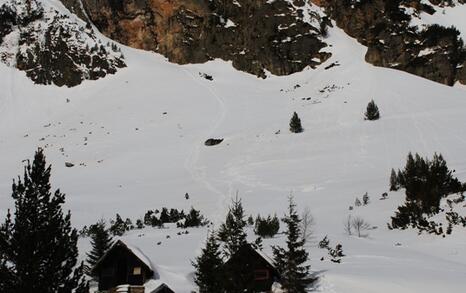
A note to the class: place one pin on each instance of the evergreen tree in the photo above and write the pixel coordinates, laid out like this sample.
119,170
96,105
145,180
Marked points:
365,199
208,274
250,220
128,224
164,216
101,241
401,179
267,227
139,224
117,226
426,183
193,219
394,186
38,246
290,261
372,111
174,215
295,124
234,237
324,243
336,253
150,219
232,231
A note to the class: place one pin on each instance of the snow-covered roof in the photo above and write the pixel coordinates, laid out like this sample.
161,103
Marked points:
132,249
265,257
154,286
140,255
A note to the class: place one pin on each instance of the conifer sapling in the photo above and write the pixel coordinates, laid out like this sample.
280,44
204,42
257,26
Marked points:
208,274
290,261
372,111
295,124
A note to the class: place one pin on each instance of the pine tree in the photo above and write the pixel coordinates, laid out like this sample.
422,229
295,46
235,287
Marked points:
401,179
365,199
250,220
38,246
394,185
117,226
165,216
372,111
295,124
101,241
336,253
193,219
232,231
290,261
208,274
234,237
139,224
267,227
324,243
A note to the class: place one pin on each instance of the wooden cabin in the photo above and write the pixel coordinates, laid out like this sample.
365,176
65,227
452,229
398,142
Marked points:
259,273
125,269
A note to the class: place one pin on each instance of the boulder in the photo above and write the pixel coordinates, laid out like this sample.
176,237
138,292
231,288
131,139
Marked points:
213,141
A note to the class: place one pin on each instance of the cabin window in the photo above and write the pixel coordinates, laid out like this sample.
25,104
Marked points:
137,271
261,275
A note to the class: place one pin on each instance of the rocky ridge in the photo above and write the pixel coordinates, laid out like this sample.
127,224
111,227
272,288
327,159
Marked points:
284,36
385,27
53,47
281,36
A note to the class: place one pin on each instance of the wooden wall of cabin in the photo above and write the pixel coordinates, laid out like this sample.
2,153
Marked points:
121,267
258,275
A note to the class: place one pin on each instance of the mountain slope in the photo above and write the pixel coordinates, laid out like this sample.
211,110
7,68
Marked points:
52,45
129,156
286,36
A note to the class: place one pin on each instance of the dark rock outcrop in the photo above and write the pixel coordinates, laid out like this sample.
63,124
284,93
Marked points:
213,141
52,47
435,52
256,35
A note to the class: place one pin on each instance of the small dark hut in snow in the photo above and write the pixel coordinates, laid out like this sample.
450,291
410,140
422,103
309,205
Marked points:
259,272
127,268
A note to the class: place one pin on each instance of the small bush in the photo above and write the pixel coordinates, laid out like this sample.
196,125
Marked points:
372,111
295,124
267,227
426,183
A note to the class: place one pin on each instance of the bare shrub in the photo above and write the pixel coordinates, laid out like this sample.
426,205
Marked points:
360,225
307,225
347,226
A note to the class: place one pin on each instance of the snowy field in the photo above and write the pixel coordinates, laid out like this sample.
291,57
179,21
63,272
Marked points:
129,156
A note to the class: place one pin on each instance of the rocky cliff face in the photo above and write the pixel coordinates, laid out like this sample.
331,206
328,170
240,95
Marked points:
53,47
279,36
384,26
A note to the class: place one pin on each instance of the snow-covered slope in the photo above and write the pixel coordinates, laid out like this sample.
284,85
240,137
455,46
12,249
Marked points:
52,45
129,156
445,16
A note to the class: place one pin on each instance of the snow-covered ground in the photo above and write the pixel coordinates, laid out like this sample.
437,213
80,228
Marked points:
129,156
445,16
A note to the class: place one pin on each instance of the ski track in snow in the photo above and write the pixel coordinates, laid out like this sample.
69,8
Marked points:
191,163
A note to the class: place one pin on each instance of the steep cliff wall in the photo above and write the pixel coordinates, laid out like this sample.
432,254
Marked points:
385,27
278,36
281,36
